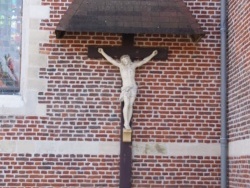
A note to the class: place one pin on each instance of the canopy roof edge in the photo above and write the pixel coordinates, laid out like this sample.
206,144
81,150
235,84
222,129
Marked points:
131,17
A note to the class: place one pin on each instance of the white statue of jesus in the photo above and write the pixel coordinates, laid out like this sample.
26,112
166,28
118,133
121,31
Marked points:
129,87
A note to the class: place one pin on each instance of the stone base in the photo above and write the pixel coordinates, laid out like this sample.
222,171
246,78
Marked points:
127,135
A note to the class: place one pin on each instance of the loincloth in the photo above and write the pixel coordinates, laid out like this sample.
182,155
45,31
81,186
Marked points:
128,91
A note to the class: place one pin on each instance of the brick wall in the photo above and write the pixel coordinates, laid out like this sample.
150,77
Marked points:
239,170
180,171
178,102
238,70
238,93
49,170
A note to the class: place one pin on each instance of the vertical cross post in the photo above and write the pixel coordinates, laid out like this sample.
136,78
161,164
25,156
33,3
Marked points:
125,147
125,158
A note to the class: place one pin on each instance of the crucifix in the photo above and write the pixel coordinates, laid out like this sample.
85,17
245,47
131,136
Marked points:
128,90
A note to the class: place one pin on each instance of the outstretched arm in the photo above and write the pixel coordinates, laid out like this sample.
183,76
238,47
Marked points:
146,59
108,58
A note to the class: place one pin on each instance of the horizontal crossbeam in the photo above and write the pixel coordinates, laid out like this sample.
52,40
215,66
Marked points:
134,52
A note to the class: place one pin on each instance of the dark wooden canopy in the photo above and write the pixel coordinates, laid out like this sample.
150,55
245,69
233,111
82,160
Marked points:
130,17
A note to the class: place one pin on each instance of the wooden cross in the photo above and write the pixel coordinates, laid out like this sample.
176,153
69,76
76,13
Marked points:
116,52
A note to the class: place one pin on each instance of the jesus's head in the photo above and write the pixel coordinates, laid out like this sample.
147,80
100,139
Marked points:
125,59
